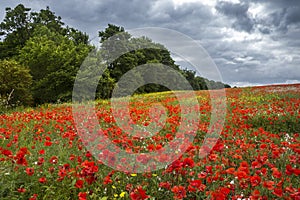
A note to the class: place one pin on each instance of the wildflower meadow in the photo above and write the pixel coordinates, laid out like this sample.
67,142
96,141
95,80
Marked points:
256,155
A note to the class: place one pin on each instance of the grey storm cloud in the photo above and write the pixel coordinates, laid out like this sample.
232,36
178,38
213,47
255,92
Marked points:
249,48
282,13
238,11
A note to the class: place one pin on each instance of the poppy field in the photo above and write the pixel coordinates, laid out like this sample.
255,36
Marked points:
256,156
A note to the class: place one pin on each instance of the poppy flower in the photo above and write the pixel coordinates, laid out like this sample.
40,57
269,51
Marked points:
179,192
142,158
41,160
79,183
196,185
6,152
255,195
278,192
107,180
48,144
189,162
241,175
255,180
53,160
230,170
33,197
30,171
82,195
42,180
276,173
42,151
21,190
62,173
139,194
255,165
289,170
269,185
165,185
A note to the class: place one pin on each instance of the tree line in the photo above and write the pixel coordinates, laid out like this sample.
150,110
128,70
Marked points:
40,56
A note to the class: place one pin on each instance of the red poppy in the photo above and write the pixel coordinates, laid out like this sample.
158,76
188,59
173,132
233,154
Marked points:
276,173
202,175
79,183
53,160
41,160
255,165
42,151
165,185
48,144
230,170
72,157
196,185
21,160
6,152
264,171
51,169
142,158
179,192
278,192
296,171
107,180
139,194
241,175
62,173
269,184
213,157
82,195
188,162
289,170
255,180
33,197
42,180
88,154
208,169
217,195
30,171
21,190
255,195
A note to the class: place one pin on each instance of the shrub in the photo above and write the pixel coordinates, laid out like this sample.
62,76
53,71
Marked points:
15,83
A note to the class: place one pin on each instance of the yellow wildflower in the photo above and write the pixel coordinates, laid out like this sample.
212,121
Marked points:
122,194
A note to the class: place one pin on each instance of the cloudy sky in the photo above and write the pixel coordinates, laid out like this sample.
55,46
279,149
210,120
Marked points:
252,42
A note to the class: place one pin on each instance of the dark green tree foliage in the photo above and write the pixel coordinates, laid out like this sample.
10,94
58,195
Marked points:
48,19
53,60
16,24
115,42
54,52
123,52
93,80
19,25
16,30
15,82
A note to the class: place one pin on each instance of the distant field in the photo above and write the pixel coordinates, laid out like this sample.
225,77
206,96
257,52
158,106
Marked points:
257,155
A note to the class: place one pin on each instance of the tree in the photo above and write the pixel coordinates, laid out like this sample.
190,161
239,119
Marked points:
15,83
19,25
16,25
93,80
112,30
122,53
53,60
15,28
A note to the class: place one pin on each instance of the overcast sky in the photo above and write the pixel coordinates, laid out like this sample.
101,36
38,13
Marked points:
252,42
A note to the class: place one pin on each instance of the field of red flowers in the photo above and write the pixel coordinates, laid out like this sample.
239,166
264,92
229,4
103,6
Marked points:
255,157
